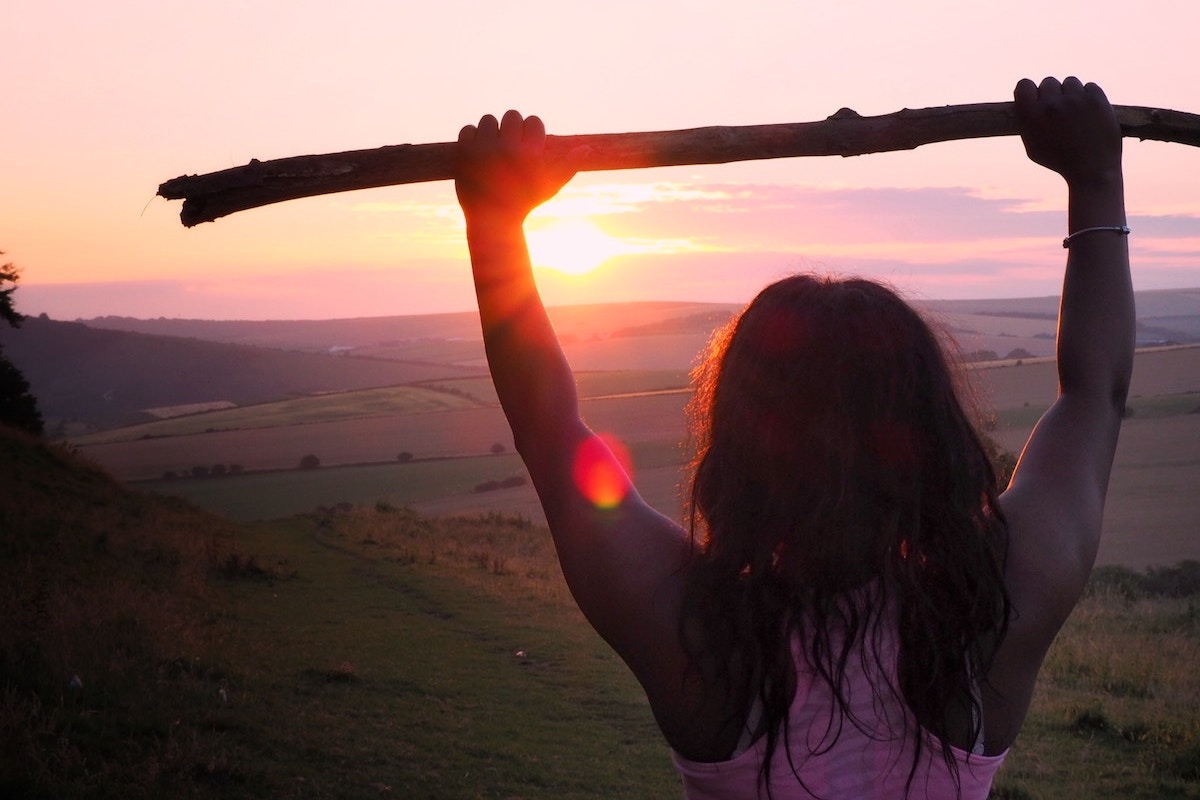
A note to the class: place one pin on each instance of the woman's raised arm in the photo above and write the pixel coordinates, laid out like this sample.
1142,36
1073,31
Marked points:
621,559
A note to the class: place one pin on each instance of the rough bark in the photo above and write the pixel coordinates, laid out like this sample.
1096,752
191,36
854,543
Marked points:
846,133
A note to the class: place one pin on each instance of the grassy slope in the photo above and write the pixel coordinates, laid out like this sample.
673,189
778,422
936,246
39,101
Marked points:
105,622
372,652
308,670
434,669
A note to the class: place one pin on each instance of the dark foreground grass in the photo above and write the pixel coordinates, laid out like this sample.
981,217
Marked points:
104,615
149,650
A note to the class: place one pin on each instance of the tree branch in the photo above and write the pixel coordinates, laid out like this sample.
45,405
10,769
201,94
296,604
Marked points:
846,133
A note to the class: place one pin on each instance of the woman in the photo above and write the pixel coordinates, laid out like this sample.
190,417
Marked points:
854,611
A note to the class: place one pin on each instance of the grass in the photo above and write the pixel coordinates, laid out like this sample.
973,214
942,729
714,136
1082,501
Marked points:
104,600
1148,519
270,494
267,495
149,649
1164,405
423,398
1117,709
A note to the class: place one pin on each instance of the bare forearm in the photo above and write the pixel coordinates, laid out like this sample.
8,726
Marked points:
1096,318
530,372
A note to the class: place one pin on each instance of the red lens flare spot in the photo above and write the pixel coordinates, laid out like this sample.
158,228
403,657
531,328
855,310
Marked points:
601,471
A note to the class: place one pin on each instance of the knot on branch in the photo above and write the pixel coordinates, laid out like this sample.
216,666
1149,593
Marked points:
844,113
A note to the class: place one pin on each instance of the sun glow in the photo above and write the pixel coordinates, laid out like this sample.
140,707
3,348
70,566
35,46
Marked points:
573,246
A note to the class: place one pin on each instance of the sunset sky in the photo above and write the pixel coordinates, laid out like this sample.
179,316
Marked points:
103,101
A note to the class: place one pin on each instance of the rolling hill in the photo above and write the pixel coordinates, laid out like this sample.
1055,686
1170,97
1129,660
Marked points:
87,378
114,371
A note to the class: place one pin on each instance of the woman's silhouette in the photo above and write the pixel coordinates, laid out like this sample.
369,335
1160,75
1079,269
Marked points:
854,609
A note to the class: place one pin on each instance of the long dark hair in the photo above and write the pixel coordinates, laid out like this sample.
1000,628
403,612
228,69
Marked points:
833,453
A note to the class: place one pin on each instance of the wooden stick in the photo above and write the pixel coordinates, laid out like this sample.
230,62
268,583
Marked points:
846,133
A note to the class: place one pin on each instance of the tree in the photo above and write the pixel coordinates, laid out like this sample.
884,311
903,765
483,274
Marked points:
9,274
18,406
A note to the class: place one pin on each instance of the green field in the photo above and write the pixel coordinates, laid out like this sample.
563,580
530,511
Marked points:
271,494
389,401
1150,518
151,650
278,493
589,384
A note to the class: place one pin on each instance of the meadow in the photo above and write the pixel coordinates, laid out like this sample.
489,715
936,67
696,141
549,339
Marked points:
451,429
154,650
393,622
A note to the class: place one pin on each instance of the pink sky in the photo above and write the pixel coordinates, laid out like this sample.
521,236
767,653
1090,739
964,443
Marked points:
105,101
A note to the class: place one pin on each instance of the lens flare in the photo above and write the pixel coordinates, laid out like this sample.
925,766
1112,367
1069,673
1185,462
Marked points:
601,471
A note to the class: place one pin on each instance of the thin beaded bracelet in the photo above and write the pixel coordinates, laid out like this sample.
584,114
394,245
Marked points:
1121,229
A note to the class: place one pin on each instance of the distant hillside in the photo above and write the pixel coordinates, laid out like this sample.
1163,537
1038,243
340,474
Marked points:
109,371
1163,315
371,333
311,335
106,378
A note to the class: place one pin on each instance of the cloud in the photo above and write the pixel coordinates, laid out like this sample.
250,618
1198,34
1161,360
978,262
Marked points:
706,242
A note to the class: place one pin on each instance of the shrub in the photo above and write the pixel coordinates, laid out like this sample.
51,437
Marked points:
1089,719
236,566
1003,462
310,462
18,406
1181,580
404,457
497,449
1117,580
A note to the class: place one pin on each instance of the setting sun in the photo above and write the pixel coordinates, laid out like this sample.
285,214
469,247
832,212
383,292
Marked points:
573,246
